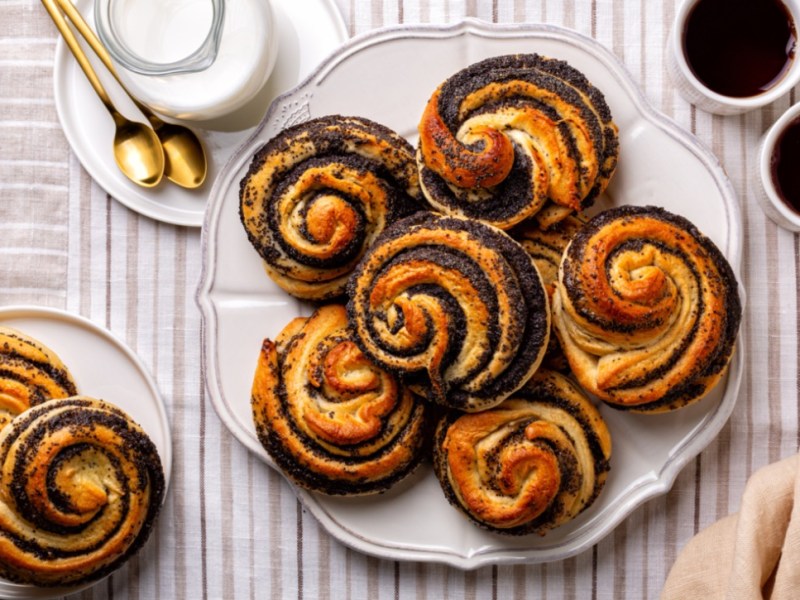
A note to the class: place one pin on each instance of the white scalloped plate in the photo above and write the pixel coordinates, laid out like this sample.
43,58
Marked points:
103,367
387,76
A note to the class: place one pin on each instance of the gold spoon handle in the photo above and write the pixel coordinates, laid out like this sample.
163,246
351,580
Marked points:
185,158
91,38
97,46
80,56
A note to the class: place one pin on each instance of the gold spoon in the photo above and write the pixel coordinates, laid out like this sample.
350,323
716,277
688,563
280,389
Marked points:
137,151
185,161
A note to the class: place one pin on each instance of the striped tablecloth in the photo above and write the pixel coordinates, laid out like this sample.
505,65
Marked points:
231,527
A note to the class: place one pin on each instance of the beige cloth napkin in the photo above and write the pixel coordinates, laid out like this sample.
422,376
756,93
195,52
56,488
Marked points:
754,553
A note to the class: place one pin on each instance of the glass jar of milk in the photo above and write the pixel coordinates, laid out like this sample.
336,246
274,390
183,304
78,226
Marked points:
190,59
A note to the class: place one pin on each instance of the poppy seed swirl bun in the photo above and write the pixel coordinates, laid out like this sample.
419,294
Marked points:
30,373
513,137
81,487
318,193
332,420
528,465
455,305
646,309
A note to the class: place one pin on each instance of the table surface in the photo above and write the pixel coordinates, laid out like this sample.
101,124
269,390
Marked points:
231,527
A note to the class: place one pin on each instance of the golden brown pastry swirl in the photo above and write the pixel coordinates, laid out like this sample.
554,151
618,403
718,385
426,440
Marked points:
530,464
81,487
330,418
515,136
455,304
546,246
317,194
646,309
30,373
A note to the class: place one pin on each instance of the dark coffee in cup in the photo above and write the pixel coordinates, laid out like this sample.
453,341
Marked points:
785,163
739,48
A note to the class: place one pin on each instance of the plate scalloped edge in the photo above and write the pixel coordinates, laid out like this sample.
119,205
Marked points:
275,119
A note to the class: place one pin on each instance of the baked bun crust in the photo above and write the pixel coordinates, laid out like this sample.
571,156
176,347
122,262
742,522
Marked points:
546,247
646,309
81,487
454,304
332,420
30,373
513,137
528,465
318,193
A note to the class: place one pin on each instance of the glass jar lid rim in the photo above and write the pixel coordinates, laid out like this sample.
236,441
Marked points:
201,58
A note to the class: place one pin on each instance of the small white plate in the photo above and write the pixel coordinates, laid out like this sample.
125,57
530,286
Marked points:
103,367
309,31
388,76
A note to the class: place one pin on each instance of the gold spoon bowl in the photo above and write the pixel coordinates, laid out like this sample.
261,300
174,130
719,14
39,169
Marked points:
142,154
185,160
137,150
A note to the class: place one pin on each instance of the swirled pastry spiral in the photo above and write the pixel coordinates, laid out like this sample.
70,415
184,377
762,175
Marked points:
30,373
530,464
318,193
646,309
515,136
81,487
546,246
454,303
330,418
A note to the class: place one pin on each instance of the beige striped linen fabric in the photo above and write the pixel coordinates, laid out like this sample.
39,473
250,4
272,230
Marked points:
231,527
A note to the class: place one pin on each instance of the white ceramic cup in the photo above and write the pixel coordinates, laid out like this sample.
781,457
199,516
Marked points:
706,99
764,184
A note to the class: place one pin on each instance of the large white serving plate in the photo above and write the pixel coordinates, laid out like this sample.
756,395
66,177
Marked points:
388,76
102,367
